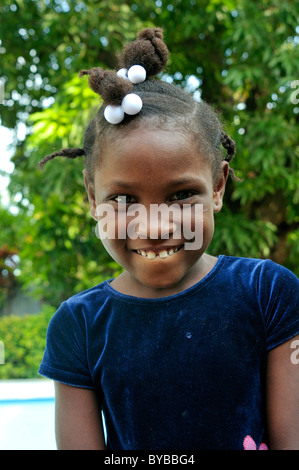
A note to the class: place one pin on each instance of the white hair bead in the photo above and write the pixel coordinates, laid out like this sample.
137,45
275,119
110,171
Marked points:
114,114
123,73
131,104
136,74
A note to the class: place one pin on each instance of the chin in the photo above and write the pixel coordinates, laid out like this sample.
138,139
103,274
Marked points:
161,283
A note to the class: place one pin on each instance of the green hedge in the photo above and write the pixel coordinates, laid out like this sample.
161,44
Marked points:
24,343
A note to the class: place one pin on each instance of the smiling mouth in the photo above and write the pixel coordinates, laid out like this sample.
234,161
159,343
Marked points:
162,254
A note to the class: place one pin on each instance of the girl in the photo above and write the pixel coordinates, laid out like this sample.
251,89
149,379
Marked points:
183,350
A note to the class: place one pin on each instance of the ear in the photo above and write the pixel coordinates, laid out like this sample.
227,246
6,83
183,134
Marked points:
91,195
219,188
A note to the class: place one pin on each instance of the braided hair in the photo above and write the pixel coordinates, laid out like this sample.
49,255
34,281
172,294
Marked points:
163,104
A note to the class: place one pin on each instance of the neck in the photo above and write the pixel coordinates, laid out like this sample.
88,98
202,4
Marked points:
128,285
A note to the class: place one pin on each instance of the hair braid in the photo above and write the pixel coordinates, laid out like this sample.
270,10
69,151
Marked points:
68,153
229,144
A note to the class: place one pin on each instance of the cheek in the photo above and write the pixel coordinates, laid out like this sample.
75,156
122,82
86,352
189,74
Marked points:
112,224
208,228
116,249
198,227
105,229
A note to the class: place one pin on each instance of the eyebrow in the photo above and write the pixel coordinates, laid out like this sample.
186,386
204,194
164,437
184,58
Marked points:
122,184
176,182
186,180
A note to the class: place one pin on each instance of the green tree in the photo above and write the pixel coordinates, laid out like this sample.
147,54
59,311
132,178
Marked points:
239,55
8,254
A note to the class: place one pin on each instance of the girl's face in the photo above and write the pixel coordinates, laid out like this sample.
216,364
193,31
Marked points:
152,167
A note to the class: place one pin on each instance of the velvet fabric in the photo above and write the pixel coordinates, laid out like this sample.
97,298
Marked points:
184,372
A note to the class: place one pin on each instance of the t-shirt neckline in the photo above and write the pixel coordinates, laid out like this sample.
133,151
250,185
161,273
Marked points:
190,290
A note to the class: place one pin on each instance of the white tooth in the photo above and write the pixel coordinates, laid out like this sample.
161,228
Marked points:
163,254
171,252
141,252
151,255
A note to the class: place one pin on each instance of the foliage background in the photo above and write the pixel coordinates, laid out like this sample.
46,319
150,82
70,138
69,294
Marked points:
240,55
25,340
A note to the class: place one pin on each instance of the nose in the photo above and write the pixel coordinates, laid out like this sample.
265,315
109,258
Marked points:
156,230
157,222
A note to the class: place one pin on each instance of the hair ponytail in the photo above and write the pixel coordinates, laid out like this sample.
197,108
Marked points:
149,50
108,85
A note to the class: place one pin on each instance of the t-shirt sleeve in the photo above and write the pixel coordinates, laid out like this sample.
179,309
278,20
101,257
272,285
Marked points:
279,291
65,357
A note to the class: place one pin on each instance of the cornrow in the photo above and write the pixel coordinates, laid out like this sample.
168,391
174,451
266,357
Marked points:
163,104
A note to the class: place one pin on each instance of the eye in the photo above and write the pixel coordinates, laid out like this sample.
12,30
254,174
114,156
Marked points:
123,199
181,195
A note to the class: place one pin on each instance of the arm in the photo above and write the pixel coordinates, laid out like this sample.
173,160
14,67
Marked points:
283,397
78,423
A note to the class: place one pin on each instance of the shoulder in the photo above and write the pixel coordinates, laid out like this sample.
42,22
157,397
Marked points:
274,287
67,343
89,297
279,276
81,307
272,290
258,270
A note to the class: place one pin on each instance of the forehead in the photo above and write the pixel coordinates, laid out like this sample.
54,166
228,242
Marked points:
146,152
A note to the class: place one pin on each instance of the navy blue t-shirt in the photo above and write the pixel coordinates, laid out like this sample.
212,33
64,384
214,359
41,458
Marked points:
185,371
